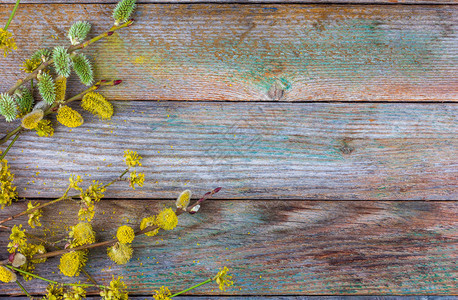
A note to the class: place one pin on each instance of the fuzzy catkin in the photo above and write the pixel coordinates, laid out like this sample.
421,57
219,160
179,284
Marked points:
97,104
83,68
123,11
78,32
8,107
61,59
69,117
47,88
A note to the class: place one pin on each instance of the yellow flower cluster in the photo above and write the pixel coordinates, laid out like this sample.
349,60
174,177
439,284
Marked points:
6,275
72,262
223,279
149,221
54,292
69,117
77,293
8,192
167,219
97,104
31,120
44,128
82,234
34,216
61,88
125,234
136,179
163,294
7,43
92,194
17,238
29,250
116,290
132,159
31,65
120,253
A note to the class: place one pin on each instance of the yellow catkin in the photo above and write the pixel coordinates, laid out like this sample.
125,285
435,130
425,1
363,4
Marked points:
71,263
6,275
167,219
120,253
61,88
125,234
31,120
69,117
97,105
149,221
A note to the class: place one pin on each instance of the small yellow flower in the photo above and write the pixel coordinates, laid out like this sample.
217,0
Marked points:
184,199
54,292
7,43
149,221
31,120
125,234
74,181
82,234
163,294
97,104
8,191
136,179
61,88
31,65
223,279
72,262
6,275
34,216
95,191
77,293
17,238
69,117
86,212
120,253
132,158
116,290
44,128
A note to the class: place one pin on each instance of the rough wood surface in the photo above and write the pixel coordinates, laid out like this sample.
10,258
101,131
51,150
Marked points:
239,1
254,151
260,52
276,247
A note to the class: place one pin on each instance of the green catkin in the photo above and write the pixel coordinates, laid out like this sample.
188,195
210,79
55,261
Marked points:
83,68
8,107
42,54
123,11
61,61
78,32
24,100
47,88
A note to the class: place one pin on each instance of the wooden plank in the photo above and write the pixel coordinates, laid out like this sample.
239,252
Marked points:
260,52
209,297
254,151
276,247
432,2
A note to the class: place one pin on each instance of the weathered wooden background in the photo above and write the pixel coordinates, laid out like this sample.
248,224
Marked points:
330,125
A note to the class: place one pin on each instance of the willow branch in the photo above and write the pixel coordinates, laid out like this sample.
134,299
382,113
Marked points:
71,49
111,242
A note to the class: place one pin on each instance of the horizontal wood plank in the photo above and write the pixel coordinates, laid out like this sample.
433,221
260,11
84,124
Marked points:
259,52
254,151
275,247
433,2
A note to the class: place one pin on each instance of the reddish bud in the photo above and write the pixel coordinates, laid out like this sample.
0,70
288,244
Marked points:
109,33
116,82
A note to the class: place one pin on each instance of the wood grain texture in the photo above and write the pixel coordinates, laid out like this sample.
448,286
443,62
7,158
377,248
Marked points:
276,247
433,2
260,52
254,151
